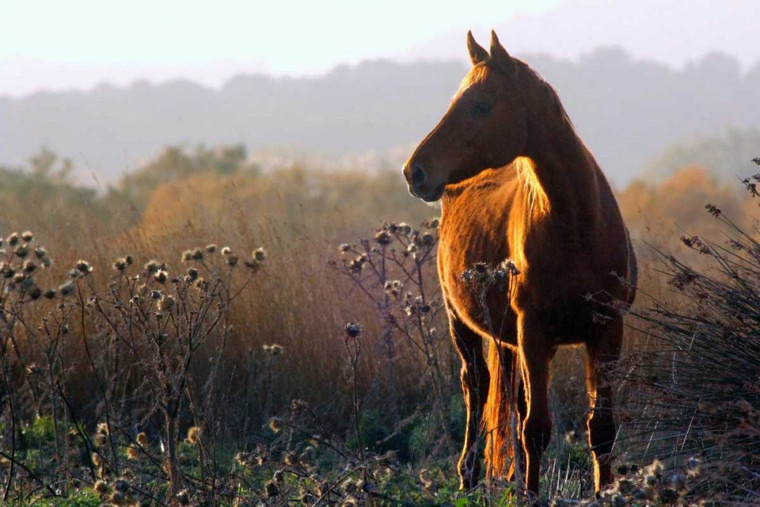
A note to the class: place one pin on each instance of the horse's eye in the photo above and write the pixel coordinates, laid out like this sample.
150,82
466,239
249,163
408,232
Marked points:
481,107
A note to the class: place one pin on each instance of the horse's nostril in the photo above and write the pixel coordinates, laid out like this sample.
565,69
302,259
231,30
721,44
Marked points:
418,175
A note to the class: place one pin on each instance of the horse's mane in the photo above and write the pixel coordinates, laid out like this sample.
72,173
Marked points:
550,95
538,202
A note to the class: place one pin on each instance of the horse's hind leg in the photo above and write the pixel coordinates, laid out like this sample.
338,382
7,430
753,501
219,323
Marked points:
475,379
602,350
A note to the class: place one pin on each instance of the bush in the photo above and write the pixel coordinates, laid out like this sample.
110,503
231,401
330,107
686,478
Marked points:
698,400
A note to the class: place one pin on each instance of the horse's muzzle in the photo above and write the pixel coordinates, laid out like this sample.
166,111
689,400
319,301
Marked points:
416,177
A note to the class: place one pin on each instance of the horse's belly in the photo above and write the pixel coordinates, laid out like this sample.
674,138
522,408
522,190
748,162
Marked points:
568,317
487,312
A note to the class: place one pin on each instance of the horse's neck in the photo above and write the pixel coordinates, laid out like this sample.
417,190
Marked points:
567,174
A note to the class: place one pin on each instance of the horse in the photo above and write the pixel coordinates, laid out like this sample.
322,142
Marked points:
516,183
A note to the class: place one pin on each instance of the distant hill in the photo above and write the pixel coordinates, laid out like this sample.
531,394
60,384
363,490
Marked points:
627,111
673,32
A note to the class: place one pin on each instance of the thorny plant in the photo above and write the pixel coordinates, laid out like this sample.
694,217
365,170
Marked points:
353,350
140,337
698,390
483,279
19,268
396,271
165,320
645,486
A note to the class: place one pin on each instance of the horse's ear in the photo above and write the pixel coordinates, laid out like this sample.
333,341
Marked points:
498,53
477,53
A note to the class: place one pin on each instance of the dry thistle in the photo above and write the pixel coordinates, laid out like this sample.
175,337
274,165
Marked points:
161,276
66,288
83,267
383,238
192,275
103,428
693,467
353,330
120,264
244,459
272,489
121,485
101,488
166,303
183,497
193,435
275,424
33,369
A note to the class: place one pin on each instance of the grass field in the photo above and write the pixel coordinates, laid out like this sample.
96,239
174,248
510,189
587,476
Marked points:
206,334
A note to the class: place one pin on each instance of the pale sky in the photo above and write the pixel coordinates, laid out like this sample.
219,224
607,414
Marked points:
58,44
64,44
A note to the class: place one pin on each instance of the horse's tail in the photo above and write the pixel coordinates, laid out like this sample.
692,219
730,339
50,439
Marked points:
499,451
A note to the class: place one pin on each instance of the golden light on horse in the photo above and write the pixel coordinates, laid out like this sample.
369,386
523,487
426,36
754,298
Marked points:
516,182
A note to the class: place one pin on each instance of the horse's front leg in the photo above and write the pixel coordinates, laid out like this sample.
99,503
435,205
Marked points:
536,353
475,379
603,349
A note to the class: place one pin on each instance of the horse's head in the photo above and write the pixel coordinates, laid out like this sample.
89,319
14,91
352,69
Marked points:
485,126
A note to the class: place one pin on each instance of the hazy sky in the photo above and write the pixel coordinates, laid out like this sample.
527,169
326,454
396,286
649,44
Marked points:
60,44
74,43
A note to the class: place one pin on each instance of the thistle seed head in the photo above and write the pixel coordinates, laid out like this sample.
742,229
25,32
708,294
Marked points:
161,276
353,330
259,254
193,435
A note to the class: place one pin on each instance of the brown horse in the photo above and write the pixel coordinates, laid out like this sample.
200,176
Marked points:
517,183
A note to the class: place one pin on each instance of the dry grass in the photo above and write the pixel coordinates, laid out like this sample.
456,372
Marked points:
301,302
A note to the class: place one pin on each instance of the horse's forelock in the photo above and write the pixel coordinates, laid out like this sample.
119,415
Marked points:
476,75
